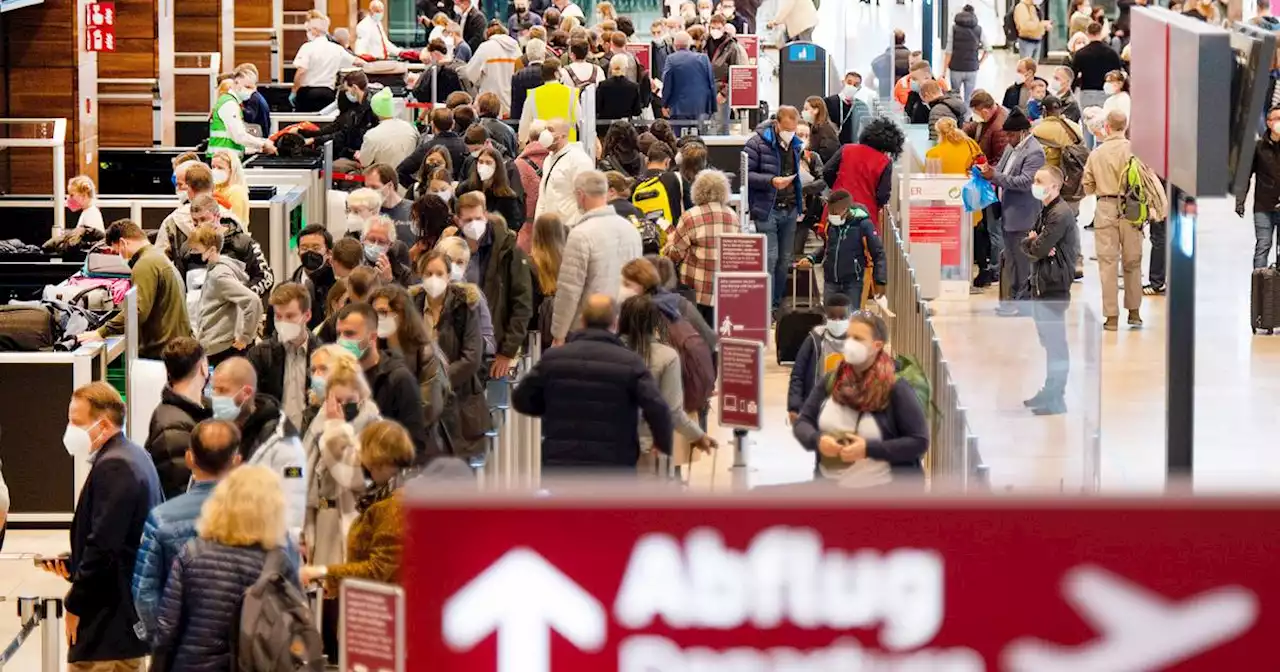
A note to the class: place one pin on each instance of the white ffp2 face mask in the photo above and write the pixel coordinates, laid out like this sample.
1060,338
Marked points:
77,441
855,353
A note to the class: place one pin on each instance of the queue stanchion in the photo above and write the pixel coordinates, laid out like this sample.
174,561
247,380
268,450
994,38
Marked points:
535,423
523,471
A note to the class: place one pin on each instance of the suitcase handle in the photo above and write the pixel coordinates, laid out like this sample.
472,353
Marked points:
796,282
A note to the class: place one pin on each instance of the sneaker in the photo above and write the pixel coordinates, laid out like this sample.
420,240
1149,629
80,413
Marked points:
1112,324
1135,319
1007,311
1153,290
1051,407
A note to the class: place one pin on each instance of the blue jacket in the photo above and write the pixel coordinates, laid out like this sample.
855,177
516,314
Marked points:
168,528
764,162
804,373
688,85
847,246
257,111
1014,175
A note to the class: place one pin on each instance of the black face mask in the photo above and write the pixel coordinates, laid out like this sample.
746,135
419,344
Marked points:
350,410
312,261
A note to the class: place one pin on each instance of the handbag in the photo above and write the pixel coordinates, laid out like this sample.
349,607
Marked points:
978,192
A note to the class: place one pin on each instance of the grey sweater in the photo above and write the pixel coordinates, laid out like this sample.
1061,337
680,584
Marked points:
228,308
664,365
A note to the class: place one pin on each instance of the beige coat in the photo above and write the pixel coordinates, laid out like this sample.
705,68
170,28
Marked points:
1030,26
797,15
1054,131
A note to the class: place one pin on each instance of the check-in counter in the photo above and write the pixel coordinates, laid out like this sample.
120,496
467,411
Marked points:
312,174
44,481
137,170
724,152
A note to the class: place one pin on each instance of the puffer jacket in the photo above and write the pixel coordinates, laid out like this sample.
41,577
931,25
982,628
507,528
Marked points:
239,245
764,162
529,164
168,528
228,309
966,42
844,257
201,605
169,436
949,105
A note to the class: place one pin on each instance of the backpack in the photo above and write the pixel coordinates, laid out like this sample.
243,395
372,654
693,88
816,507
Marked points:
910,370
277,632
581,84
697,371
1133,202
651,198
1074,156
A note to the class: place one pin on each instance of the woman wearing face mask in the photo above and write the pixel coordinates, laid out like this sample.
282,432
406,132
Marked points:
82,197
865,424
229,312
363,204
452,312
489,176
229,183
344,407
824,138
402,330
226,124
354,118
458,252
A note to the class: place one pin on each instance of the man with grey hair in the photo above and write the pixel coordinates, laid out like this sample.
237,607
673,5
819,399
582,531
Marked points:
530,76
556,193
371,34
599,245
318,62
688,83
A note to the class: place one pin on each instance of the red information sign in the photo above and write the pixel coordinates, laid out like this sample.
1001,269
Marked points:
741,253
840,583
750,44
371,627
939,224
741,384
100,26
744,86
742,305
643,51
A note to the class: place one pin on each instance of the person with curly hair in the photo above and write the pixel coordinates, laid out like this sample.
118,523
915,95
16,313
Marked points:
865,169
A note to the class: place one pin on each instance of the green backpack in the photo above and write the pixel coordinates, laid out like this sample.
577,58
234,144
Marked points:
1133,202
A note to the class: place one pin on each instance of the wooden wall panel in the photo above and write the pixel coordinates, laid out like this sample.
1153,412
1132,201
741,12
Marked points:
42,92
293,39
189,8
135,19
253,14
133,58
191,93
259,56
124,124
196,34
42,37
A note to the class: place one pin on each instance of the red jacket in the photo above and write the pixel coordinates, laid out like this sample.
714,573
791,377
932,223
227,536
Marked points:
860,170
991,136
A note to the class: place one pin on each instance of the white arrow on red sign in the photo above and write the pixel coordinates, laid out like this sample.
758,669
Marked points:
522,598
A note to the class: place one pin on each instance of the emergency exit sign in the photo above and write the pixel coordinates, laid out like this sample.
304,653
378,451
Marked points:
100,26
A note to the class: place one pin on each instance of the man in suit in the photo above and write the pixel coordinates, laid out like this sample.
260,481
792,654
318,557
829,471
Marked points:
1015,175
472,21
688,83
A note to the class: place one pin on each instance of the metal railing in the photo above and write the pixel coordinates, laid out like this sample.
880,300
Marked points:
513,458
953,458
44,613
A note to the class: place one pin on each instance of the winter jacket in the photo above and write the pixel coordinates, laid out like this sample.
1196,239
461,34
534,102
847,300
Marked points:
529,165
525,80
502,135
347,129
168,528
268,360
630,164
587,393
1027,19
492,66
688,85
555,188
1265,169
844,256
904,431
270,440
335,482
460,344
1092,62
408,169
1056,233
106,530
1014,175
374,546
723,53
507,287
318,283
811,365
239,245
1017,95
764,162
675,307
991,136
949,105
162,303
866,173
169,436
449,82
201,607
824,140
618,98
395,390
229,310
594,254
966,42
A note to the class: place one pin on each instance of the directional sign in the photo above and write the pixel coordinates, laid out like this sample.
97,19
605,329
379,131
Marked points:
637,581
742,305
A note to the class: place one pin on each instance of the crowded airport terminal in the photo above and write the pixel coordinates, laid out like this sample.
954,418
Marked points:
639,335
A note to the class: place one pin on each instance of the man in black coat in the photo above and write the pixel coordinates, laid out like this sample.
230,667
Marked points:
472,21
315,245
283,362
1053,246
181,407
529,77
587,392
395,387
122,487
502,271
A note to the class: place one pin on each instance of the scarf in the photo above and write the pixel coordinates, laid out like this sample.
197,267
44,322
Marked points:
866,391
376,494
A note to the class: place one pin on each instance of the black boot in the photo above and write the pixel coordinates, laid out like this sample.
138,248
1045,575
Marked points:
1036,401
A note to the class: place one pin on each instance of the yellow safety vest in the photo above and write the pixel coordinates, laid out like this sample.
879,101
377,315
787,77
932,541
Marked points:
554,100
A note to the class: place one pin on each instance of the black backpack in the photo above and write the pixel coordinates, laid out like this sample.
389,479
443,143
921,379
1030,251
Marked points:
277,632
1074,158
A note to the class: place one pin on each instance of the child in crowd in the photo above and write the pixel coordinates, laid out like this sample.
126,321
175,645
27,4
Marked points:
82,197
229,312
850,238
820,353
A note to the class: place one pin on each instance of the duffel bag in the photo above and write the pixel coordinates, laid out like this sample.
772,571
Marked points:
26,328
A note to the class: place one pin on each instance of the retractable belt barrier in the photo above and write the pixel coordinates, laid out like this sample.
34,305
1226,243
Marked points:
513,458
44,613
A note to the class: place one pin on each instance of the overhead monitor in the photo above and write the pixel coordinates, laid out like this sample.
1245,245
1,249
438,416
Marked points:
1253,54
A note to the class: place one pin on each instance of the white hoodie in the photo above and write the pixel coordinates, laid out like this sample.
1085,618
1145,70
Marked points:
492,67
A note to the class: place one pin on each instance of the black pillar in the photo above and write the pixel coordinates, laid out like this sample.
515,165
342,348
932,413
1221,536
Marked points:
1180,353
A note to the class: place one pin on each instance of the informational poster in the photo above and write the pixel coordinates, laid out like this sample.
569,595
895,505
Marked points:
751,45
643,51
741,384
742,306
797,581
941,225
744,86
100,26
740,253
371,635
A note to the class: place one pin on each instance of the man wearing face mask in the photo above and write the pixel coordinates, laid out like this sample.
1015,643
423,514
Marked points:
226,124
371,36
1053,246
774,191
395,387
268,437
318,62
121,488
392,140
1063,79
383,252
282,362
237,244
502,272
442,135
847,110
181,406
472,21
521,15
820,353
729,10
315,245
723,50
553,99
354,119
561,169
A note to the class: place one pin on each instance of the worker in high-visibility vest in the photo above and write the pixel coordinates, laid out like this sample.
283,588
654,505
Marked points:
226,122
552,100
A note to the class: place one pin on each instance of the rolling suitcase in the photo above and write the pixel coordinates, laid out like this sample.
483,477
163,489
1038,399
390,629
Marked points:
797,316
1265,300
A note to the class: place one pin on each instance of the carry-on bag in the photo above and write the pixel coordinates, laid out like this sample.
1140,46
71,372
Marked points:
1265,300
797,316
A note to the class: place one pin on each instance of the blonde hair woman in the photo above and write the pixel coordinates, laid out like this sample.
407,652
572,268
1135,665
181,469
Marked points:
956,151
82,197
229,183
334,481
241,533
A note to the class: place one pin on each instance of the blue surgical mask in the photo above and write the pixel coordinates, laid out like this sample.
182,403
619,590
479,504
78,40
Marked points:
225,408
351,346
351,97
318,387
372,251
915,86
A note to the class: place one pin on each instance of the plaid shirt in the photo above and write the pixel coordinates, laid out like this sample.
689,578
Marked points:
694,246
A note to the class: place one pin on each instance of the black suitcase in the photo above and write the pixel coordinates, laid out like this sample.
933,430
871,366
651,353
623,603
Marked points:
1265,300
797,315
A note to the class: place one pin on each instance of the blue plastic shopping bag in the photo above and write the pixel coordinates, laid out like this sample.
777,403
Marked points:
978,192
